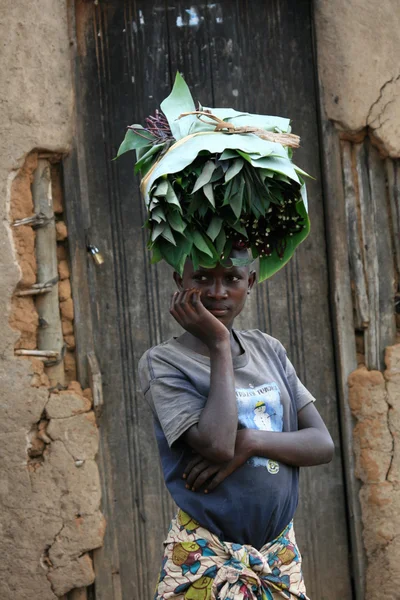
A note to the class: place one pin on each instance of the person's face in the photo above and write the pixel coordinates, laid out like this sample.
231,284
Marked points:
223,289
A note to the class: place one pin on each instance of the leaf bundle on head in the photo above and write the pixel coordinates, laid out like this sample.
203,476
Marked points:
218,179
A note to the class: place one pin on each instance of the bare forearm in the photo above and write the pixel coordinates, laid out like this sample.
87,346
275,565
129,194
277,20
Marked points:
304,448
214,435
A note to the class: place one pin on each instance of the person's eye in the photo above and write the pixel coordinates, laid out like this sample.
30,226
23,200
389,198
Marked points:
234,278
200,278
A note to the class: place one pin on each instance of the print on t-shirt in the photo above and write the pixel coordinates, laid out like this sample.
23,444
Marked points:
260,408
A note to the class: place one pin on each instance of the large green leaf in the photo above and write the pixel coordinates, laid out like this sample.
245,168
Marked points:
171,197
214,228
237,200
157,231
168,235
200,243
176,221
179,156
161,189
175,255
179,101
241,119
209,193
152,150
234,169
133,140
205,175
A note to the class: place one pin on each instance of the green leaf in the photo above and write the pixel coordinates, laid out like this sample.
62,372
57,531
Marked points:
176,255
200,243
195,204
220,241
214,227
239,228
133,141
206,261
234,169
240,119
205,176
158,214
227,193
176,221
179,101
156,255
209,193
157,231
161,189
228,154
241,262
168,235
237,200
153,150
301,172
171,197
217,175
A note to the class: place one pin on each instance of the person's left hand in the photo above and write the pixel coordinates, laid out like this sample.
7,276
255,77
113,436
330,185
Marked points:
201,471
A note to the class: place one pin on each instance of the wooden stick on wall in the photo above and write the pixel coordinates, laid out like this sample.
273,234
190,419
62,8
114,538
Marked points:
50,335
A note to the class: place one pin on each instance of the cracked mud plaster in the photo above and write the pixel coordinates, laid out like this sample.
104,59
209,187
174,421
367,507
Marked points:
375,403
358,46
49,508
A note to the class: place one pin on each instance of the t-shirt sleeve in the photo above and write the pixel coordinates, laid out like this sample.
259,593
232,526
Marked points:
172,397
301,395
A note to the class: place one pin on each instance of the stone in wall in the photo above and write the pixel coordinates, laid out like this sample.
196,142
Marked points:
375,403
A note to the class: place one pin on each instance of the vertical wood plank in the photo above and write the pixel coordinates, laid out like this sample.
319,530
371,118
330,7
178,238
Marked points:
343,331
385,253
354,236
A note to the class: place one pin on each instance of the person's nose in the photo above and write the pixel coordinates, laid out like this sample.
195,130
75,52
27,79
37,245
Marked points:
217,290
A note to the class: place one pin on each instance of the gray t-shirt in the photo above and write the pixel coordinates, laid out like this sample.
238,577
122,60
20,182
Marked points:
254,504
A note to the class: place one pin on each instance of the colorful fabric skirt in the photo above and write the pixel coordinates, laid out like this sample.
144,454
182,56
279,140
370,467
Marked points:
197,565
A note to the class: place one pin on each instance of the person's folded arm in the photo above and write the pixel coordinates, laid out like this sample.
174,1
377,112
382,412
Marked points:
310,445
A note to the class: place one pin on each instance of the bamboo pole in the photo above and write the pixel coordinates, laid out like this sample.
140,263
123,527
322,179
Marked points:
45,354
50,336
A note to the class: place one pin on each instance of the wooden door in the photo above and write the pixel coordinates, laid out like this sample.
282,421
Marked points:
251,55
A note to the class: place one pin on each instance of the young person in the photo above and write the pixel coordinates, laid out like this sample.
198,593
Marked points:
233,424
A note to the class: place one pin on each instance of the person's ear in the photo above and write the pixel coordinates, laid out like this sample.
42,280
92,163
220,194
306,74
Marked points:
251,281
178,280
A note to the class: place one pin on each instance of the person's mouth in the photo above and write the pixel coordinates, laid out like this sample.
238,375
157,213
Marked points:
218,310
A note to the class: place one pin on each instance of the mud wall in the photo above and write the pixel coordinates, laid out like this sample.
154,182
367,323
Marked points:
359,77
49,481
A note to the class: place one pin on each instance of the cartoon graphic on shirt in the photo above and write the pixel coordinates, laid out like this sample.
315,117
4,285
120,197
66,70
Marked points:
261,408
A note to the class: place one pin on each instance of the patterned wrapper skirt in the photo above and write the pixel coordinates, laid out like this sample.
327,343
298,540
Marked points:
197,565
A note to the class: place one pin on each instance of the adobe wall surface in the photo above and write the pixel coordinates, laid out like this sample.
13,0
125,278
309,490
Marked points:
358,48
49,481
358,45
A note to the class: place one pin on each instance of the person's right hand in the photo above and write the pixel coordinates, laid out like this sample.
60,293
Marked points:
188,310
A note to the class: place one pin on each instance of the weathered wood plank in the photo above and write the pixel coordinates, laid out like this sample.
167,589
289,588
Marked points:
393,177
385,256
343,330
369,256
354,239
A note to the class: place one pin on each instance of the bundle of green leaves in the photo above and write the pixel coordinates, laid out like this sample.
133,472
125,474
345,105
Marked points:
208,191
